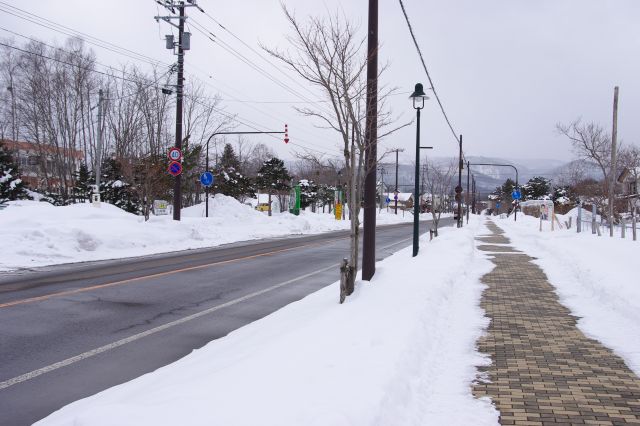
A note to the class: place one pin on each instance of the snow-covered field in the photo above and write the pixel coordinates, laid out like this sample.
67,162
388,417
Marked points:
38,234
597,278
400,351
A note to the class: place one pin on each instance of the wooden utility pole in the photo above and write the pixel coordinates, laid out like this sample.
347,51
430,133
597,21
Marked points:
371,150
614,155
466,196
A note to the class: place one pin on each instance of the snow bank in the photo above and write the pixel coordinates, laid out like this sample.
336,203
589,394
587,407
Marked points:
38,234
400,351
595,277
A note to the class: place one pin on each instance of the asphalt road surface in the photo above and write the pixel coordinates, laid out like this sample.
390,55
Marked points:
70,331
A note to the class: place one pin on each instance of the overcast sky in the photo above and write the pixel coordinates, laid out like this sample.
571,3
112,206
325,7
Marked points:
506,70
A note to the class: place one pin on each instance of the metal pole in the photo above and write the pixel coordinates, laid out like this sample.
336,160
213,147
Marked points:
612,177
466,196
416,204
396,190
593,218
206,188
633,224
459,188
99,148
515,208
371,151
177,187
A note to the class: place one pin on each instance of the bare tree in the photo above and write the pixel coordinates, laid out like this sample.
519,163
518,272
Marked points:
590,142
438,183
329,54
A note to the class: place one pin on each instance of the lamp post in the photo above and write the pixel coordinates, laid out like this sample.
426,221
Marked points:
418,96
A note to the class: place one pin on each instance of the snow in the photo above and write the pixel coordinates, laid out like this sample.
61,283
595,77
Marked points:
595,277
400,351
40,234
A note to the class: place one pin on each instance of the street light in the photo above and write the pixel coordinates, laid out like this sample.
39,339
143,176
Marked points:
418,96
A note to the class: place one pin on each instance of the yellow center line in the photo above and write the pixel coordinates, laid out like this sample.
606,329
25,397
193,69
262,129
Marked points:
160,274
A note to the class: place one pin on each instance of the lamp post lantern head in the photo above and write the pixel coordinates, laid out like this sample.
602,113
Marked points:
418,96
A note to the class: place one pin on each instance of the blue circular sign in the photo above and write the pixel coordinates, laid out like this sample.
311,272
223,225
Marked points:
206,178
516,195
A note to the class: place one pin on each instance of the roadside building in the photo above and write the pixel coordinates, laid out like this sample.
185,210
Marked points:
44,166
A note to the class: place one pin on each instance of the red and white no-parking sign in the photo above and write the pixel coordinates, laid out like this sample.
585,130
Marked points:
175,154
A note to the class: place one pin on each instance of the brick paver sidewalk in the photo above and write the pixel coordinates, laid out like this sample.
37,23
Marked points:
545,370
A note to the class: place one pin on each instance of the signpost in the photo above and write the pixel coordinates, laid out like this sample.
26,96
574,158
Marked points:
175,154
206,179
516,195
174,168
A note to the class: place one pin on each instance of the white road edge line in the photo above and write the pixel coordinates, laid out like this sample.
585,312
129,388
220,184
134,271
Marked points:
52,367
110,346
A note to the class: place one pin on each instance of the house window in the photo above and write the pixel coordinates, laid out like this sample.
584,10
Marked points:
633,188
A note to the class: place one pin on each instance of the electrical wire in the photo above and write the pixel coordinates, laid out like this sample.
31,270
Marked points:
90,69
424,65
62,29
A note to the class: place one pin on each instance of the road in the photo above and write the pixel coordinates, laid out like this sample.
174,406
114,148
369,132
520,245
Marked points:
70,331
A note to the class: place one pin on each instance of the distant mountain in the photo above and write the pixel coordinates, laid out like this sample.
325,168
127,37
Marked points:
487,177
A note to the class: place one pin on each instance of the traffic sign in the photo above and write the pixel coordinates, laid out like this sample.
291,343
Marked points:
497,205
206,179
516,195
395,195
388,200
175,168
175,154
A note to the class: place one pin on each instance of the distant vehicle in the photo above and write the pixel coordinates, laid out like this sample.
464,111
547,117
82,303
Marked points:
263,207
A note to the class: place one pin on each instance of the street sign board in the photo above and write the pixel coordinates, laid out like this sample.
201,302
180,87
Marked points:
497,205
516,195
206,179
175,154
160,207
388,200
175,168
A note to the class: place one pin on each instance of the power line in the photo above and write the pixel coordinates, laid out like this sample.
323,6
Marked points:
49,24
424,65
200,28
88,68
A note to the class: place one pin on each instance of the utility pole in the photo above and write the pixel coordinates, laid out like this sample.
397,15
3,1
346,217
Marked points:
96,192
397,150
466,196
614,154
473,197
371,151
459,187
184,43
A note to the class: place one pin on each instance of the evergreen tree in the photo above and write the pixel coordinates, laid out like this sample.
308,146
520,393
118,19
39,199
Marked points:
538,188
326,195
11,186
308,193
229,159
83,185
232,183
115,190
273,177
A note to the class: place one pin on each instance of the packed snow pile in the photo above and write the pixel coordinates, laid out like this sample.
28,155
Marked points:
400,351
595,277
38,233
